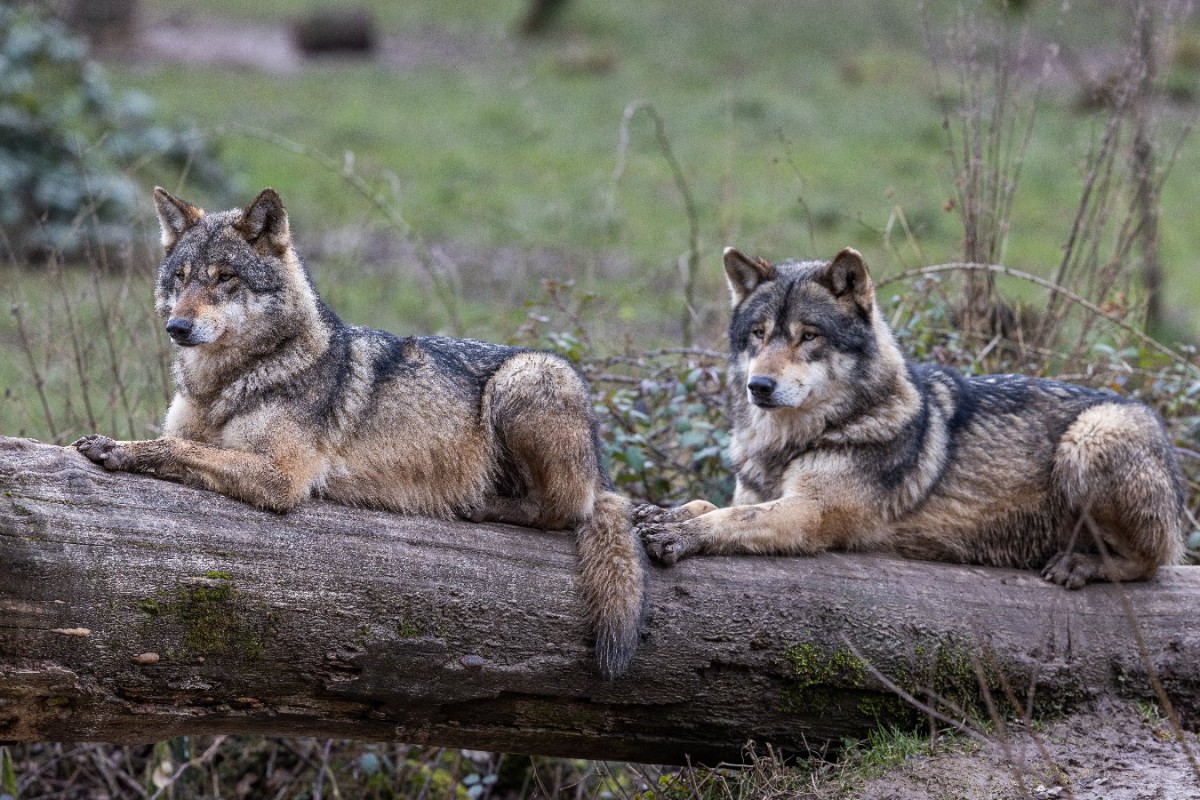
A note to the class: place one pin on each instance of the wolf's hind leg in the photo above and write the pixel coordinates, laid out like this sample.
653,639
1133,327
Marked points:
541,413
508,510
1075,570
1118,472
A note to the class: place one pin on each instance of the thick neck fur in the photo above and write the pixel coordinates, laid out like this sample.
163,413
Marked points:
871,405
278,342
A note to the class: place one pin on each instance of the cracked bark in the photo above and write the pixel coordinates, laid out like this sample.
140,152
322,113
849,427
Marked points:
134,609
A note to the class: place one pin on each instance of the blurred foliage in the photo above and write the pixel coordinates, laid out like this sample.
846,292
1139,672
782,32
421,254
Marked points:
191,768
661,412
68,143
8,776
664,433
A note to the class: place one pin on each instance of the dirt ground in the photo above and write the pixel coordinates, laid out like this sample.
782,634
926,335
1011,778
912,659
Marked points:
208,40
1114,753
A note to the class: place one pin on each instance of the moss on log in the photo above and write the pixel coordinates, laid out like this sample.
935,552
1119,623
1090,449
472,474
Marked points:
134,609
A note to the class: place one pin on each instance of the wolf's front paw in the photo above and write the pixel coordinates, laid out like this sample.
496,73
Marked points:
647,514
1072,570
104,451
667,543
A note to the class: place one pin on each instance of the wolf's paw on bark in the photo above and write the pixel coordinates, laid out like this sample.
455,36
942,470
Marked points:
1071,570
647,514
104,451
666,542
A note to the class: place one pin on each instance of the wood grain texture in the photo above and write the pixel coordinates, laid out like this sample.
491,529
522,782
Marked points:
134,609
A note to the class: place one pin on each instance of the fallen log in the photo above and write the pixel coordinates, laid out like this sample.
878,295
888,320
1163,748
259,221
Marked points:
134,609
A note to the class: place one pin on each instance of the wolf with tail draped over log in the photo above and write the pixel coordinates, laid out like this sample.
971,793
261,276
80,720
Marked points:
278,400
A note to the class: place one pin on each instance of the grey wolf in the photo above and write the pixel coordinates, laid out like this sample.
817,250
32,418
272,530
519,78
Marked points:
840,443
278,400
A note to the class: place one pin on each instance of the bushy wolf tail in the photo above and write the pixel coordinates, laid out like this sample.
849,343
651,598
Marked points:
541,411
613,575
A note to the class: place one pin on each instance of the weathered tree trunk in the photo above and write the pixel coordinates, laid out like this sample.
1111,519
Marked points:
133,609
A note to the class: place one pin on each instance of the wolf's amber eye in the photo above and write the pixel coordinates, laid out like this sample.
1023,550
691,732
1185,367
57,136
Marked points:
758,332
179,274
808,336
225,277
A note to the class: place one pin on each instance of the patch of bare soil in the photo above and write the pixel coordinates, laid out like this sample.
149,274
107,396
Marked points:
206,40
1114,753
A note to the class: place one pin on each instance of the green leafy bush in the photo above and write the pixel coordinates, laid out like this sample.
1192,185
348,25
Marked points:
68,143
661,412
663,426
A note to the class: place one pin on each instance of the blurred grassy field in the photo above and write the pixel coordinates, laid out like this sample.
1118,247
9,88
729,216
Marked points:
782,116
799,127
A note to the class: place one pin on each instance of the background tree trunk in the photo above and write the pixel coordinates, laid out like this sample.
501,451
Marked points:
104,22
539,14
133,609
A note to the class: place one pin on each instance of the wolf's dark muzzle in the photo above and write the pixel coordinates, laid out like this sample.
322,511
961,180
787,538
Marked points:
179,329
761,388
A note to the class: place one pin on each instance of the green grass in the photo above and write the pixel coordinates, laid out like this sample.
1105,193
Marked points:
798,130
94,374
780,120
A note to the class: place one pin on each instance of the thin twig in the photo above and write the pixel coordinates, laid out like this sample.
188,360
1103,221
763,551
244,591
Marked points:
928,709
443,288
1156,684
1067,294
690,262
198,761
323,771
1016,764
77,351
1024,713
114,776
39,381
925,708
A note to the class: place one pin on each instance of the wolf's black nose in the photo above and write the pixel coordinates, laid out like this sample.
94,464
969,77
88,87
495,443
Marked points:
179,328
761,387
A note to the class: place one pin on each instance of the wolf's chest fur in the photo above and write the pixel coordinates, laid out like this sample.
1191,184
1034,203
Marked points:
840,443
278,400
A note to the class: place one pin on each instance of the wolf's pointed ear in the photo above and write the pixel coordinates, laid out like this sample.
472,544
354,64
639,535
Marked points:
265,222
846,277
174,215
745,274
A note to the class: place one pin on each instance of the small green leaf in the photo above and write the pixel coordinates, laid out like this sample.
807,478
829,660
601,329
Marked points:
8,774
634,459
